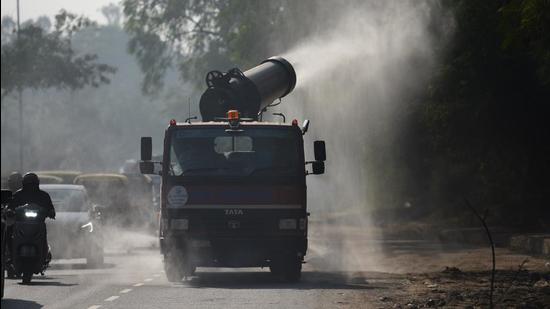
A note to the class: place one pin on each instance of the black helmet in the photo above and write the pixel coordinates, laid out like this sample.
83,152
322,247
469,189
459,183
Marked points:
30,179
15,181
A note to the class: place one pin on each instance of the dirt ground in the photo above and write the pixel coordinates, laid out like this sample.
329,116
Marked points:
468,285
427,274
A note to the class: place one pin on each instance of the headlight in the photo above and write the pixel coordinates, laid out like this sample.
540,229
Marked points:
31,214
88,225
287,224
179,224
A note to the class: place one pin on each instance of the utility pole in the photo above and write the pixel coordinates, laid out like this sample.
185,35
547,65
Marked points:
20,93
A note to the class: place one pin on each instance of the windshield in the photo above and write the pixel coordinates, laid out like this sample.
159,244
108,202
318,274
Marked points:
254,151
68,200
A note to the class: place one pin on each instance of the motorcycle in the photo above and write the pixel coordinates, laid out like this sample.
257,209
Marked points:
30,253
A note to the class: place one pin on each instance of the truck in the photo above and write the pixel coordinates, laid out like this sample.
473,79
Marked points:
233,187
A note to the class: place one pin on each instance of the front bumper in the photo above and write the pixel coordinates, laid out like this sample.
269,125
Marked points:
222,251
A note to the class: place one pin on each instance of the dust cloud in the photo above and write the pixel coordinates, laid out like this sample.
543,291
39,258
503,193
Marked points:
355,79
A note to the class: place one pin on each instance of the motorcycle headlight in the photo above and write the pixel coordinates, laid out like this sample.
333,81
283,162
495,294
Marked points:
287,224
31,214
88,226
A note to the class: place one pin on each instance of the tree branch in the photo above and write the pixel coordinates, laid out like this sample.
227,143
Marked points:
489,236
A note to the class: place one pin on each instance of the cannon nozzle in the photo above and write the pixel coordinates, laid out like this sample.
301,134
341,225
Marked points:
249,92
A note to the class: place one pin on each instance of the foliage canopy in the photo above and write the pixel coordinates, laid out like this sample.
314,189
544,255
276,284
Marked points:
196,36
480,130
37,58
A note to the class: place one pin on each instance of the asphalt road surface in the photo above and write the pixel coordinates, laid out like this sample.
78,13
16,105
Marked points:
136,280
343,270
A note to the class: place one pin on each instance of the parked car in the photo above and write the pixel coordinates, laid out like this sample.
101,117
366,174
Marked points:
77,229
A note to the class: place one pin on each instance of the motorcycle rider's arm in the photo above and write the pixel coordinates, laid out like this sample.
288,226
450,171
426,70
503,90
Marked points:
51,209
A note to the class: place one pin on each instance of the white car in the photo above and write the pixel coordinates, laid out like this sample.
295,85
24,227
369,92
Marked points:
76,230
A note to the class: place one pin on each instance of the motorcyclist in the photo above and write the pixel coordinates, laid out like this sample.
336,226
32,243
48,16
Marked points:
15,181
30,193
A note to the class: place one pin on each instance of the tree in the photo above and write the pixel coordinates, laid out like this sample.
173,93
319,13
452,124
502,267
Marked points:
112,13
487,109
8,29
197,36
38,59
478,129
84,130
525,26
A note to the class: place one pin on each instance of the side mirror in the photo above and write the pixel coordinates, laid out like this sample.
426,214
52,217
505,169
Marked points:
318,167
146,148
320,151
6,196
147,167
305,126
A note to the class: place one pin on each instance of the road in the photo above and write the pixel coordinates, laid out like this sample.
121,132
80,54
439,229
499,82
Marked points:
134,278
137,280
343,270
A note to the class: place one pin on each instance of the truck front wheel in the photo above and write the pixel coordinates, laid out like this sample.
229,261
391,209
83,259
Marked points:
287,268
177,265
172,268
27,276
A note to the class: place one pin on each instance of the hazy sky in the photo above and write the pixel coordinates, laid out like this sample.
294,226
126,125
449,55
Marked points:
36,8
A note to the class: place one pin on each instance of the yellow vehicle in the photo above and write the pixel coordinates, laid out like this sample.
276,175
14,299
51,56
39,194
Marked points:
49,179
125,200
110,193
67,177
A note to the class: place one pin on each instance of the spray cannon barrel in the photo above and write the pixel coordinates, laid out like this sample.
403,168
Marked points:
249,92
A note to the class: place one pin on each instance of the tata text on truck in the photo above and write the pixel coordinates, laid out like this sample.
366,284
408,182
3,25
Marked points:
233,188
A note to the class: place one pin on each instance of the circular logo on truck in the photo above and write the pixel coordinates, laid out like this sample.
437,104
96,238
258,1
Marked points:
177,197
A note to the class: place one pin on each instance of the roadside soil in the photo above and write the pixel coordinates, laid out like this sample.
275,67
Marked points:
427,274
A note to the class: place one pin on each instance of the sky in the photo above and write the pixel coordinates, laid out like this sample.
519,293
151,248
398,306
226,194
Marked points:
31,9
